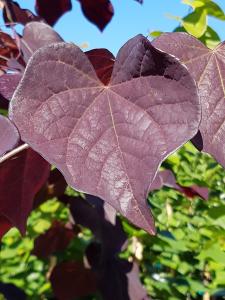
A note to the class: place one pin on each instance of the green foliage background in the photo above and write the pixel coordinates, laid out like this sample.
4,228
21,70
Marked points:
186,260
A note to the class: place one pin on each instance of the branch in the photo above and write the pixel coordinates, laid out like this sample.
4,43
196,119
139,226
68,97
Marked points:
13,152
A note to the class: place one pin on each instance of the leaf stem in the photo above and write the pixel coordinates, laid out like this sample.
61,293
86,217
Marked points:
13,152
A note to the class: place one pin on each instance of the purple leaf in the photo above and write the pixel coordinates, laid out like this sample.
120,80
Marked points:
9,135
23,175
208,69
109,140
135,288
8,84
13,13
72,280
52,10
35,36
55,239
103,61
167,178
99,12
8,49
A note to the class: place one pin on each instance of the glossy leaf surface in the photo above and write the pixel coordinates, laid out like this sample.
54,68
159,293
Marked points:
208,69
107,140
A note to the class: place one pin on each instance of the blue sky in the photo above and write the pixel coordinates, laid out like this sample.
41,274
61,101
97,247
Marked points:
130,19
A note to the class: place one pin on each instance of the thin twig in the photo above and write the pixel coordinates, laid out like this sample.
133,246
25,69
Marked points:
13,152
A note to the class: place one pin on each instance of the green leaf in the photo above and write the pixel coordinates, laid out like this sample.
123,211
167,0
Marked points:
214,10
196,22
212,253
155,33
210,38
217,212
195,3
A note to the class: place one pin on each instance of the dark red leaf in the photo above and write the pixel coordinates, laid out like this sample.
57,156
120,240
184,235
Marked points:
167,178
102,61
52,10
109,140
55,187
21,177
194,191
35,36
9,135
56,239
8,84
8,49
4,104
13,13
56,184
208,69
99,12
5,225
71,279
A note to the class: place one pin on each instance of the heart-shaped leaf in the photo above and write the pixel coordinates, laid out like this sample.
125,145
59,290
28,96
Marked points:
35,36
21,177
52,10
107,140
9,135
99,12
208,68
